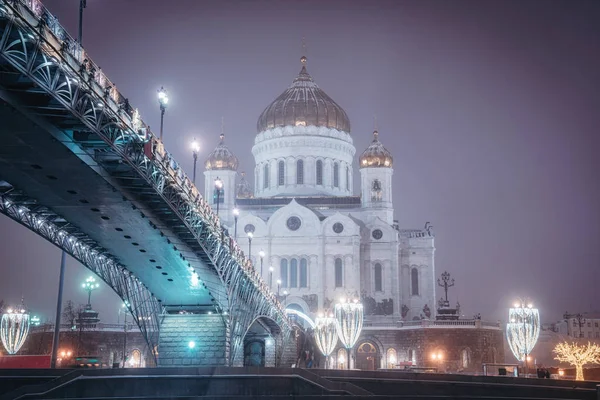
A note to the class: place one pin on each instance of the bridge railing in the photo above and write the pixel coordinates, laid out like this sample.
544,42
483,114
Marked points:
58,44
425,323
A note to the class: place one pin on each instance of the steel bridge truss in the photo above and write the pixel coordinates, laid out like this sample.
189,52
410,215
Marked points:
35,44
143,306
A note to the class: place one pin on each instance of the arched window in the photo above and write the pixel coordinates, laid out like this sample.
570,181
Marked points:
339,273
283,272
281,174
347,178
300,172
378,283
303,273
465,358
376,190
294,273
414,281
392,358
336,175
266,176
319,172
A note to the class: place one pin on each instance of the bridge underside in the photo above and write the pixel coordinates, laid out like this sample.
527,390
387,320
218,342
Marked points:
79,167
49,168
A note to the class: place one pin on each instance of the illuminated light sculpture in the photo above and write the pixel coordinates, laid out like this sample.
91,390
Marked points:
326,335
14,328
577,355
349,322
522,330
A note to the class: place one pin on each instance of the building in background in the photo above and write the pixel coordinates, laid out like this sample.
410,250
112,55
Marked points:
315,238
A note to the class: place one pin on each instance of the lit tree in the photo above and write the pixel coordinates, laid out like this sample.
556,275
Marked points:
578,355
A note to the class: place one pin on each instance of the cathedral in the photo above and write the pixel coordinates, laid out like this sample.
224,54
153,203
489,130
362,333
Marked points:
315,239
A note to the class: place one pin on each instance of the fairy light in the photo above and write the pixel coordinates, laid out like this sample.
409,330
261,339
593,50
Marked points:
14,328
522,330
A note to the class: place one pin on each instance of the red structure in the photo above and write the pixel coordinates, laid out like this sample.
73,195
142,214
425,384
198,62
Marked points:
21,362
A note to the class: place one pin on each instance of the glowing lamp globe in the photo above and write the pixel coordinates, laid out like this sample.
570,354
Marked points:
349,322
14,328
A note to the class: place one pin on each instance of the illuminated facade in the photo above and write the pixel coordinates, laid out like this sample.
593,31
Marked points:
321,238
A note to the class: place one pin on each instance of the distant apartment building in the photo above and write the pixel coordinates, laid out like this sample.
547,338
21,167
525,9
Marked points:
583,325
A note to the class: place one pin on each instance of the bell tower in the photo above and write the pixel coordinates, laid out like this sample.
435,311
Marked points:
376,173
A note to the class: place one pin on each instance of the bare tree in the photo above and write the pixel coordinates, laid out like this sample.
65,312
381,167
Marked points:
577,355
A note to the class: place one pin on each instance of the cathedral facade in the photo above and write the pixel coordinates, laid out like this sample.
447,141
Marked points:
316,239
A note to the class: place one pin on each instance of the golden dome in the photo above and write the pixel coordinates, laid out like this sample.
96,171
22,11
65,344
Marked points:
376,156
221,158
303,104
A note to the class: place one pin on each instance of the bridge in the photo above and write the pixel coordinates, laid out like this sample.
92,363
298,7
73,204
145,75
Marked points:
79,167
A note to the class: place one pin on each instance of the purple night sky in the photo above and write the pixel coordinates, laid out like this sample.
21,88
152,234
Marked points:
491,110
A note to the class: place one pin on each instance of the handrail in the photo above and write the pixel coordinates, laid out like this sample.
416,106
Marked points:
60,45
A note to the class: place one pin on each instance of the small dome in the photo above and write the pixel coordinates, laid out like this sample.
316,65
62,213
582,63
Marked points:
244,191
221,158
303,104
376,156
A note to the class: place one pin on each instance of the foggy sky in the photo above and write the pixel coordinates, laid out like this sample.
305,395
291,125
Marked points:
491,110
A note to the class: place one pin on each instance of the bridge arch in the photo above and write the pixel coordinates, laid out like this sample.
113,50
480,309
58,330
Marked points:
144,308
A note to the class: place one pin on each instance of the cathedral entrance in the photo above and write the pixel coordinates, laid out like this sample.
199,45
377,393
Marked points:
367,357
254,354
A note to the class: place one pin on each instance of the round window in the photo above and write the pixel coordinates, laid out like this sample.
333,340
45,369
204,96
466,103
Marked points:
293,223
249,228
377,234
338,227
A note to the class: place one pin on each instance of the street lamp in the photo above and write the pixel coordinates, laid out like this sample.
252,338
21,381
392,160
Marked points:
250,236
90,285
236,214
439,358
195,150
261,254
271,277
349,316
218,187
278,286
285,295
163,100
125,310
523,330
82,5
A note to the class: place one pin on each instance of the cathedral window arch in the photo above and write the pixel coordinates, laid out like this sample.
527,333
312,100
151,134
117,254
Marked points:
293,273
339,273
300,172
266,176
281,173
336,175
347,178
378,278
319,172
283,272
414,281
303,273
376,190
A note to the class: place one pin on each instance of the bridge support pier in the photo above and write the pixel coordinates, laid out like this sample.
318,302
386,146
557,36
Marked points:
192,340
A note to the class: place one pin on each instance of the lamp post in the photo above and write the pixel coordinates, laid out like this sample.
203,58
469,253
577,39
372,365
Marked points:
285,295
236,214
61,282
439,358
278,286
82,5
124,310
523,331
349,316
250,236
218,187
89,286
271,278
163,100
195,150
261,254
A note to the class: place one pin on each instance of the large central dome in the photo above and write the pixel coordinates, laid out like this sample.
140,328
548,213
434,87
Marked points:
303,104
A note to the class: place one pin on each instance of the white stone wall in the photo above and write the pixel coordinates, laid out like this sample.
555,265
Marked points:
383,208
310,144
418,253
